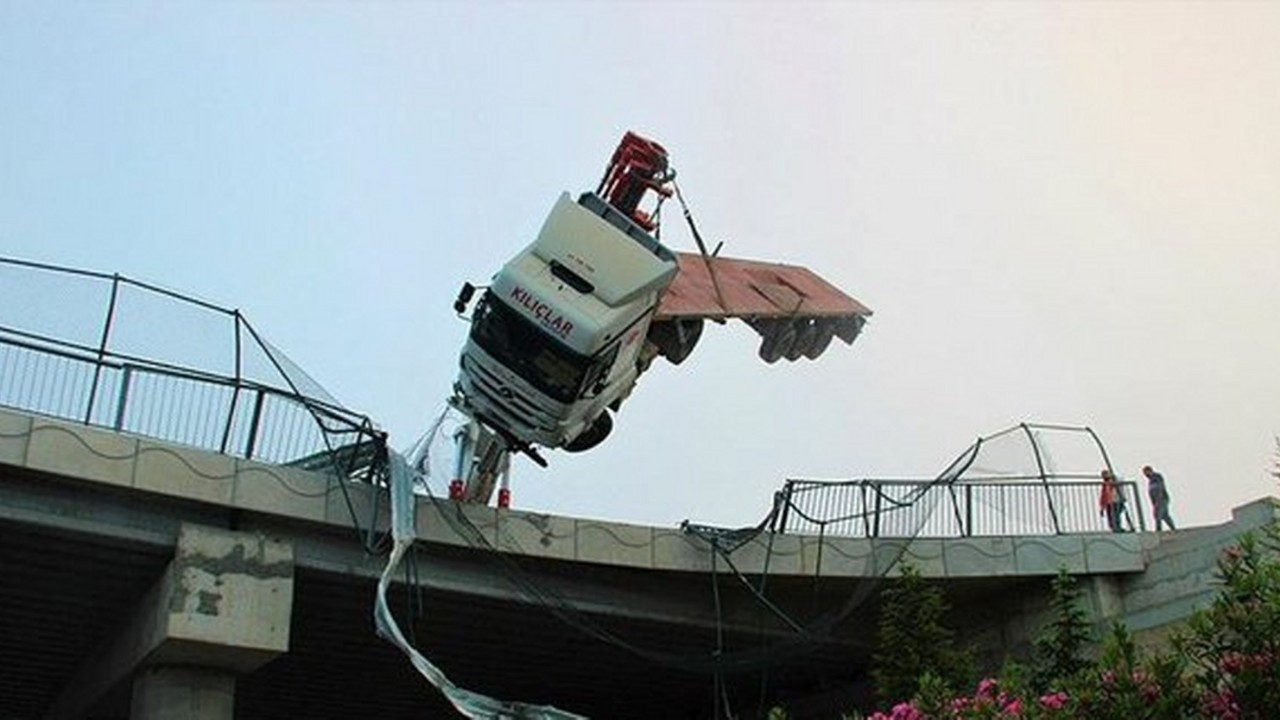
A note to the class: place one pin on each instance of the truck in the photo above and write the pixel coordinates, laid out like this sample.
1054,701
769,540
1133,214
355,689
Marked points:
564,330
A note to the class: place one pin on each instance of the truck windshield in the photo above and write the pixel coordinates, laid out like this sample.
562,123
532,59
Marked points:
532,354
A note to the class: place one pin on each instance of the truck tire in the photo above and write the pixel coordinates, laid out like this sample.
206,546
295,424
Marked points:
825,331
688,332
662,333
779,336
593,435
849,327
806,332
676,339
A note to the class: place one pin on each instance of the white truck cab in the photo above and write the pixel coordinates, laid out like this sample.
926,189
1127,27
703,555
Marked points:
564,330
558,336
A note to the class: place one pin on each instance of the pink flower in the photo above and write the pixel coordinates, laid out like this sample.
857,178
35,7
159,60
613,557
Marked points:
1054,701
1222,705
905,711
1014,707
1150,693
986,687
1260,661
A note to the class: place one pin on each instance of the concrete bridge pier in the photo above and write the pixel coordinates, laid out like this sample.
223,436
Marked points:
176,691
222,608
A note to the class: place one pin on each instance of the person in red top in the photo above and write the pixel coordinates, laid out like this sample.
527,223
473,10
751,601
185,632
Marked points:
1109,501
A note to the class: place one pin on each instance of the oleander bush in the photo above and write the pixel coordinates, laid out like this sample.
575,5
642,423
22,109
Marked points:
1224,665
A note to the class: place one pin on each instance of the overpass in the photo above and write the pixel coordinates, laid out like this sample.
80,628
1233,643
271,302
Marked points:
201,536
139,573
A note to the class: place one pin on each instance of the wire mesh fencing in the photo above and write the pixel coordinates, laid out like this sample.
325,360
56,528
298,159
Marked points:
927,508
1030,479
166,366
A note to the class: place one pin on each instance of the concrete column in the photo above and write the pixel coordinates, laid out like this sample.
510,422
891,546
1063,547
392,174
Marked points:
1108,602
175,692
222,607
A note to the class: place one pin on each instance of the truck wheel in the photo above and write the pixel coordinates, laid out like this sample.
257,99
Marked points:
806,332
825,330
593,435
687,334
676,338
779,336
662,333
848,328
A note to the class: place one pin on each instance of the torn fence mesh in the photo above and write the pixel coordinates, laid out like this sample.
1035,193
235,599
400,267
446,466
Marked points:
470,704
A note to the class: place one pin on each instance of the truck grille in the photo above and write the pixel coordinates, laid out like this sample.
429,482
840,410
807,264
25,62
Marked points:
506,405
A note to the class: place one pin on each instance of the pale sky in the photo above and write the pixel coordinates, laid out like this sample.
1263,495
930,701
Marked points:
1058,212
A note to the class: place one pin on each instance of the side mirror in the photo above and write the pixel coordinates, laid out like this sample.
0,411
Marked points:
464,298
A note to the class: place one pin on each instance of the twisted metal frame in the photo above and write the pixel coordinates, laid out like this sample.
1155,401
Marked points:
960,502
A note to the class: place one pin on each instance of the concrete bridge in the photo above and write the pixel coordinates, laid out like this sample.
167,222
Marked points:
149,580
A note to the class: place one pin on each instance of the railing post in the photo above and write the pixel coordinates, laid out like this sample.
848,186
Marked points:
1044,479
1004,509
955,507
862,508
122,400
786,505
968,510
254,422
102,348
231,414
1137,503
235,391
875,525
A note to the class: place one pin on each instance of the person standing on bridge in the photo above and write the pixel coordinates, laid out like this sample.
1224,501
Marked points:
1159,494
1110,503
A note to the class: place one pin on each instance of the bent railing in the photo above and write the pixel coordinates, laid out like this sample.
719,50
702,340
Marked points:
1024,480
931,508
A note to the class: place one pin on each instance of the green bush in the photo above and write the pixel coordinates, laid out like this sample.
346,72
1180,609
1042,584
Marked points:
1059,650
1224,665
1234,644
913,640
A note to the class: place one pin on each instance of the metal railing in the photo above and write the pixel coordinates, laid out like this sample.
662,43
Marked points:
1007,483
931,508
268,419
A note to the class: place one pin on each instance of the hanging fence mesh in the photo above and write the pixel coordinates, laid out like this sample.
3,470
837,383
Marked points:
1030,479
